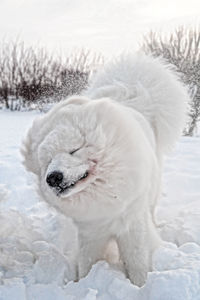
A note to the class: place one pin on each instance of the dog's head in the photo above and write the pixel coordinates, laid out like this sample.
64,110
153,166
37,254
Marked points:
82,150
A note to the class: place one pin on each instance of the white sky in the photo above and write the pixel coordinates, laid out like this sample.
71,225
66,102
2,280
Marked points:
107,26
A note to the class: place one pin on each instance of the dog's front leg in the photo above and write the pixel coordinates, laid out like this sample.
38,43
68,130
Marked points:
90,252
136,246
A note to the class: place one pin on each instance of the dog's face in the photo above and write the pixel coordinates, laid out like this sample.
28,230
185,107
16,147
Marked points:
68,158
80,155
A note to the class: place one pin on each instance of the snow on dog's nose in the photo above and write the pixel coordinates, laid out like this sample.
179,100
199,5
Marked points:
54,179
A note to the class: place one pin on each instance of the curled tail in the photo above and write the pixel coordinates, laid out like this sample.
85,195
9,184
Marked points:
150,86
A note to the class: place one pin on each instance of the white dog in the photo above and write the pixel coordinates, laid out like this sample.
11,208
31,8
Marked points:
98,158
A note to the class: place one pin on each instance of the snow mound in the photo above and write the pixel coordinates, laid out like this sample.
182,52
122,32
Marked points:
41,271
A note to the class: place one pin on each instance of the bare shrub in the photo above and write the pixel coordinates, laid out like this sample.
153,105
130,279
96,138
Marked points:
29,76
182,49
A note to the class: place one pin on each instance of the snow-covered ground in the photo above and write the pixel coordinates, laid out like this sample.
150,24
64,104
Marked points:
36,243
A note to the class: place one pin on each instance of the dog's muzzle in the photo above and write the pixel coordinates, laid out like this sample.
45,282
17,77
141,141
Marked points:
56,180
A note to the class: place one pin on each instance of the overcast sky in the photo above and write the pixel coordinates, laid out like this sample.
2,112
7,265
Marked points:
107,26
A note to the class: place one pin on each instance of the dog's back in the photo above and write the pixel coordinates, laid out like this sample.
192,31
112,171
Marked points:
151,87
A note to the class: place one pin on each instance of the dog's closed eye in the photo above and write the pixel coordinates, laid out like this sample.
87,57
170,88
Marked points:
74,151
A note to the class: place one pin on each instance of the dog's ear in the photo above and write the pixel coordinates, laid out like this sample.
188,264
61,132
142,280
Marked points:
30,146
73,100
77,100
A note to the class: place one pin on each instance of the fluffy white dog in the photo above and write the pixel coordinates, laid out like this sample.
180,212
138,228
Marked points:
98,158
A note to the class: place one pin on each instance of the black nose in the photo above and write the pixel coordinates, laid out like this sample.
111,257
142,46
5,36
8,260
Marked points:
54,179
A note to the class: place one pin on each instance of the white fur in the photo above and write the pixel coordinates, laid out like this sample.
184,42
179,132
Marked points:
136,115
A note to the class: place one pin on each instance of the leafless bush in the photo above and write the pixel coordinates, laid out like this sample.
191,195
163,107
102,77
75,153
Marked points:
182,49
29,76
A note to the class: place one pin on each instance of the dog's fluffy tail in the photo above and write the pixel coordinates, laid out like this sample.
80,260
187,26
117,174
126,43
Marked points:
150,86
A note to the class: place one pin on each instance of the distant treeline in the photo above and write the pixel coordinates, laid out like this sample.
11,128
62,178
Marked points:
31,77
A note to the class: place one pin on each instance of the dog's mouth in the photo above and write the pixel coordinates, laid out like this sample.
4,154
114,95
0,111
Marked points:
66,186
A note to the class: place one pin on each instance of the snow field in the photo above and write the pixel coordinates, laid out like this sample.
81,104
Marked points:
37,245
